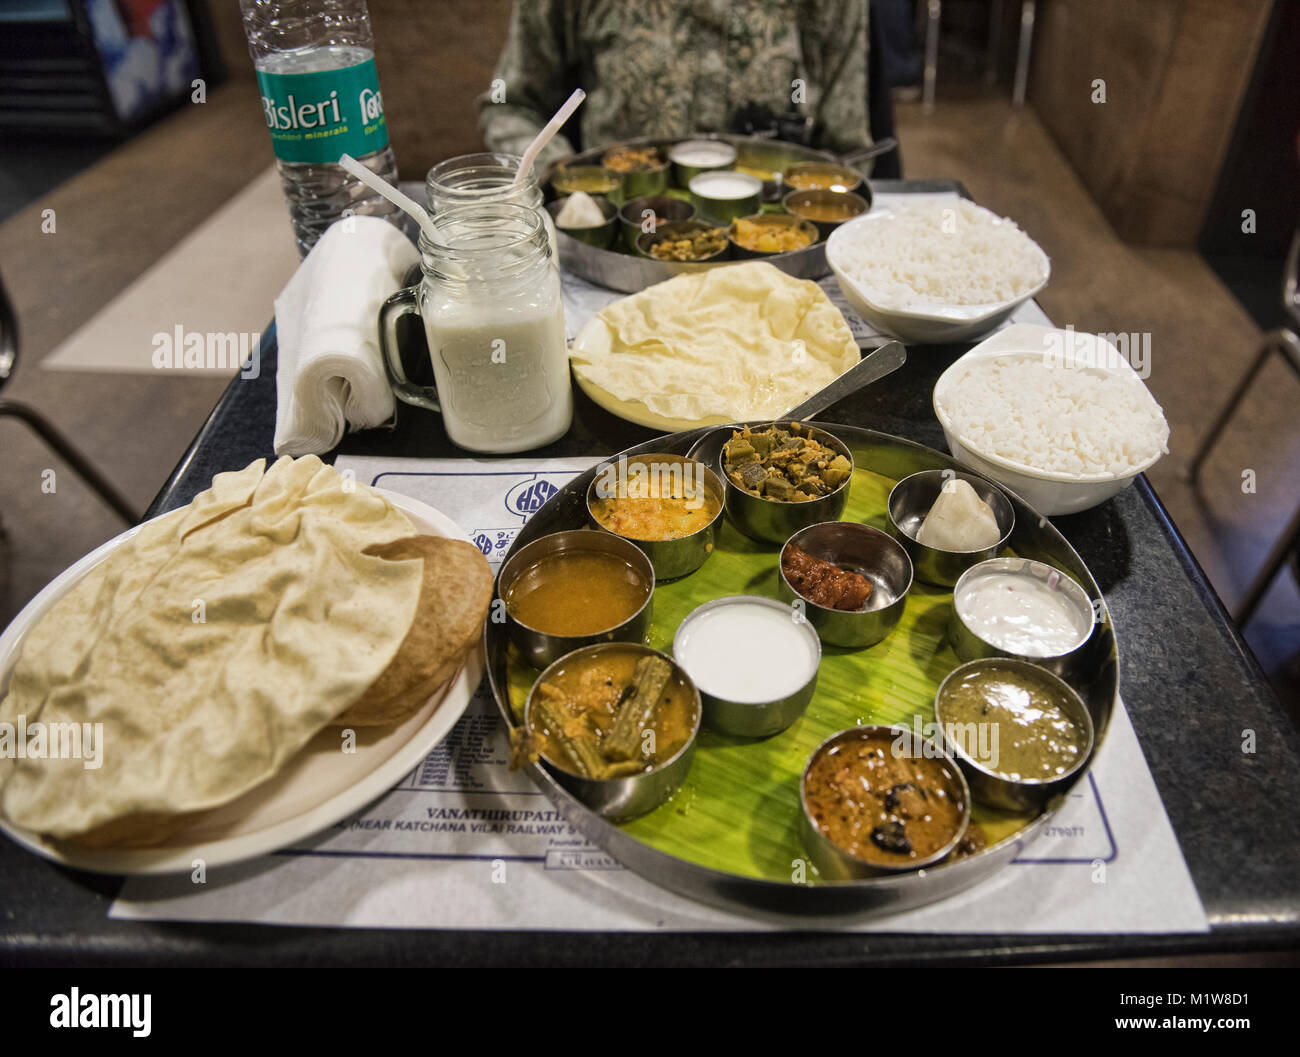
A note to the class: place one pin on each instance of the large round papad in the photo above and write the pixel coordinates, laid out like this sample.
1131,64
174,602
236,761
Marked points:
737,342
211,647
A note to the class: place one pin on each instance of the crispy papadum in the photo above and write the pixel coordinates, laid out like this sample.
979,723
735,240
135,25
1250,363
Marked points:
728,344
217,641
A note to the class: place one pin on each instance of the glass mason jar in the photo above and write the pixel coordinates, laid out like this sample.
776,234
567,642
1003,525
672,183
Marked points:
476,179
489,297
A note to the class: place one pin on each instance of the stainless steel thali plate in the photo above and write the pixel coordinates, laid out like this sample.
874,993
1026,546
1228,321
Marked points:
643,848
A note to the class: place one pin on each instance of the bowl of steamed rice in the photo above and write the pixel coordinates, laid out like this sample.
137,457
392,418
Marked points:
940,270
1064,433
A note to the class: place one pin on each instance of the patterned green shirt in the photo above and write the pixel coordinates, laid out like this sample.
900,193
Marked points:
674,67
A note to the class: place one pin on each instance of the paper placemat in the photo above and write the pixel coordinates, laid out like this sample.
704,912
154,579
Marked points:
462,843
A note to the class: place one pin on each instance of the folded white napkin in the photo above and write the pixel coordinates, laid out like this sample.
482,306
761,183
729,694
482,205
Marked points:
330,375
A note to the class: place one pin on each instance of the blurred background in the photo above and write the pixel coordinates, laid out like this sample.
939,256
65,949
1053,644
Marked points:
1150,148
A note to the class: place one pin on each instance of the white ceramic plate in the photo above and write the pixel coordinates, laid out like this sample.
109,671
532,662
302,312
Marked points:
1048,493
932,325
317,788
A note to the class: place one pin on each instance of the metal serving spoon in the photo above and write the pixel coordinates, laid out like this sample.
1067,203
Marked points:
872,367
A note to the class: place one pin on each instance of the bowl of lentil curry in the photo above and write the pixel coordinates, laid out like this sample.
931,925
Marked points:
572,589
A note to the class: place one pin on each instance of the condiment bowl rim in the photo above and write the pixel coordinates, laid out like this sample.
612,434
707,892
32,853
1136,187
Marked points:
871,730
771,603
825,164
657,168
853,526
1003,540
640,198
640,555
602,203
793,211
701,141
662,229
637,647
713,521
793,220
830,440
711,174
1004,563
1013,662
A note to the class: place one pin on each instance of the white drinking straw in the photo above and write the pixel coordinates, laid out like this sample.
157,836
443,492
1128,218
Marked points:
547,134
383,187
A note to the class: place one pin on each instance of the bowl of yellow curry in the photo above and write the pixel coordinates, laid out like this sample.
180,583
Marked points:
764,234
669,506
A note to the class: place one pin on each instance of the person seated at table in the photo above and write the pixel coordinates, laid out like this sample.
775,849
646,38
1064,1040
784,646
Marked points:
663,69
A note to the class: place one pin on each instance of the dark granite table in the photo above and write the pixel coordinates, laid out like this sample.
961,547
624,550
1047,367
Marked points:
1191,685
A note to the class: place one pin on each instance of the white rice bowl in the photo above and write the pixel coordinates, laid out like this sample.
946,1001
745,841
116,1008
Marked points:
1059,422
940,254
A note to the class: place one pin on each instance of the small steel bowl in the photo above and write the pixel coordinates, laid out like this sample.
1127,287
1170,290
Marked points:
797,201
723,210
626,797
632,217
751,719
836,864
771,181
677,229
988,785
773,521
860,549
670,558
640,183
684,172
540,648
569,178
602,235
836,177
909,503
771,220
969,645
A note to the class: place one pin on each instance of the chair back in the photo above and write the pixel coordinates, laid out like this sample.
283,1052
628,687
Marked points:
8,336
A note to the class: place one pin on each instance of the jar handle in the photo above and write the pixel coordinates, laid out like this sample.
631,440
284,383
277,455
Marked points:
402,303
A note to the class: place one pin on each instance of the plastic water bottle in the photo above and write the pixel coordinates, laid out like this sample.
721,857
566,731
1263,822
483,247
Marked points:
315,63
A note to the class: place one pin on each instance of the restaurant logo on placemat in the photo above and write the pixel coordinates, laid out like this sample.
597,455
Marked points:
527,497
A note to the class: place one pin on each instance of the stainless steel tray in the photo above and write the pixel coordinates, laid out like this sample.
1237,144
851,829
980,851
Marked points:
1034,537
629,273
759,151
